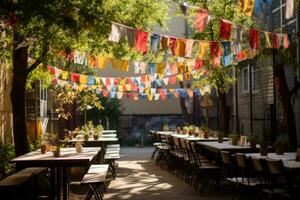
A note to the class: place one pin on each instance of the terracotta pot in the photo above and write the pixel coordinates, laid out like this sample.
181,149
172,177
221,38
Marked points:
86,137
96,137
253,144
44,148
279,151
263,151
206,135
220,139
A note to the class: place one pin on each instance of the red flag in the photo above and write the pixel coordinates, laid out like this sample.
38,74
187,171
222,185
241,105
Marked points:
201,20
141,38
75,78
198,64
254,39
172,44
225,30
51,70
215,50
240,56
275,41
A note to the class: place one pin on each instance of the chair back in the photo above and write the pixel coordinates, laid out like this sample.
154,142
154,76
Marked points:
275,166
256,163
241,160
226,157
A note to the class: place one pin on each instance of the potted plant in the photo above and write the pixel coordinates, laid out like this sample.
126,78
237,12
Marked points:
165,127
185,130
264,142
205,131
97,131
280,146
253,141
220,136
233,138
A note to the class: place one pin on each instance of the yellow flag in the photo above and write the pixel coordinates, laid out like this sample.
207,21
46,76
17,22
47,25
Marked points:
203,49
64,75
150,96
160,69
247,6
268,40
179,77
147,90
122,65
120,88
97,80
128,87
83,79
101,62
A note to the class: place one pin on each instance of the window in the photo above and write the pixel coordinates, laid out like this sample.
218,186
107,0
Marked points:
246,79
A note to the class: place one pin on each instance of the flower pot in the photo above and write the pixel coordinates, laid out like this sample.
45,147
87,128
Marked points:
220,139
86,137
96,137
56,152
253,144
279,150
206,135
234,141
264,151
44,149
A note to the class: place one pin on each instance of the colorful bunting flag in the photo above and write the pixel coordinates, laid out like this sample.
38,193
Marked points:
117,32
201,20
141,38
225,30
247,6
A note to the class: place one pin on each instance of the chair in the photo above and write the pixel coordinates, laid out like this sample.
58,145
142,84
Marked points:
280,186
95,178
250,185
206,172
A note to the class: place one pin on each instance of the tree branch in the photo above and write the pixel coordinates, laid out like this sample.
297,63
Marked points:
40,59
46,42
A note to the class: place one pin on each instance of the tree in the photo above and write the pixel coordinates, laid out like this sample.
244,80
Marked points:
218,78
40,29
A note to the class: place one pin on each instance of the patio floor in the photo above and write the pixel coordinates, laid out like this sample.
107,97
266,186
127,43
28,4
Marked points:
140,179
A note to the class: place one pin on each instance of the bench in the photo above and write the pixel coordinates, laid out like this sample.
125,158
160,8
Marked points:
11,185
95,179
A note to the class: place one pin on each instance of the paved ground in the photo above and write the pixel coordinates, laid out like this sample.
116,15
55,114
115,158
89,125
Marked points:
139,179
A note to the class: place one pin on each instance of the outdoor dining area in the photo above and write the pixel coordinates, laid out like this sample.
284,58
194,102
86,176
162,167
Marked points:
53,163
204,158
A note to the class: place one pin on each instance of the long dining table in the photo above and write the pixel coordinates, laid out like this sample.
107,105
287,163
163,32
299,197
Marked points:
58,166
191,138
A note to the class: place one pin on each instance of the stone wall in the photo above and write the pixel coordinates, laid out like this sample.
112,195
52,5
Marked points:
5,104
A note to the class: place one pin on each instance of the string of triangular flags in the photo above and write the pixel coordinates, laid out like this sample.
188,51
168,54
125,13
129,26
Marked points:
148,93
173,74
255,6
140,67
223,52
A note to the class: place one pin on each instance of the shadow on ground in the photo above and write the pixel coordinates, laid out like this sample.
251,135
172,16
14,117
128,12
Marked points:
140,179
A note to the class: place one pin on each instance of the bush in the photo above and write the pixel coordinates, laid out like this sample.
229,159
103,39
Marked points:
7,152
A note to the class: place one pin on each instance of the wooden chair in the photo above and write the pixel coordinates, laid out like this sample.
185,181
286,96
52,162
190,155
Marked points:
95,178
207,173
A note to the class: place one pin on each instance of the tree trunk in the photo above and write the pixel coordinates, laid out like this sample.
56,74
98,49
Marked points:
224,114
184,108
283,91
17,95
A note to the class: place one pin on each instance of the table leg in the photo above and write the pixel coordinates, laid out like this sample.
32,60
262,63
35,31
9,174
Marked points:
52,183
58,183
65,183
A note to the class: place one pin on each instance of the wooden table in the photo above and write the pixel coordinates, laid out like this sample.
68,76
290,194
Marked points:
188,137
109,131
58,165
225,146
285,157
